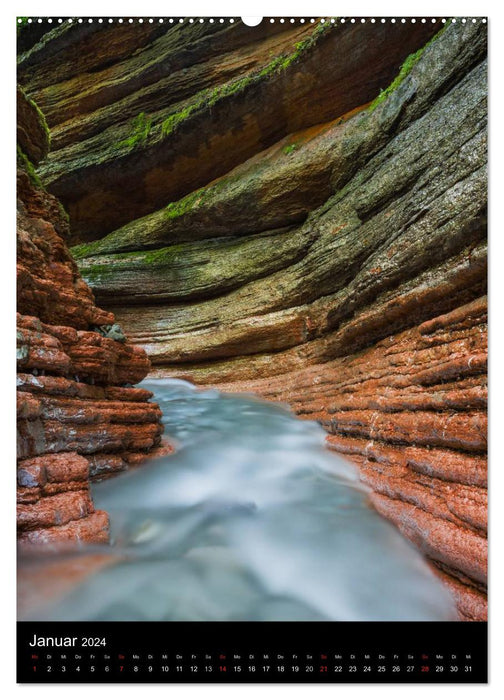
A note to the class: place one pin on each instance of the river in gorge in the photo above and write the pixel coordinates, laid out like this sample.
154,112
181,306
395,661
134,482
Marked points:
251,519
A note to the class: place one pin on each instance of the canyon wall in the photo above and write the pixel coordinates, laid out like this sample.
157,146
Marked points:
300,211
79,417
410,412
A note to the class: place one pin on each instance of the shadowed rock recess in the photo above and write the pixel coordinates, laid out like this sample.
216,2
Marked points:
299,211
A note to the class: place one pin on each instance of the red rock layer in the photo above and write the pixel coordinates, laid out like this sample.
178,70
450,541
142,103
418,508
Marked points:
410,412
79,416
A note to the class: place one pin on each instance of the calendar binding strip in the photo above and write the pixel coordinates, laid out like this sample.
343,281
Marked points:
191,20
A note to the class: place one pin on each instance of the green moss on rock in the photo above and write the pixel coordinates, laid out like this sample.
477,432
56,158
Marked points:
280,63
140,127
176,209
405,70
175,119
163,256
63,212
83,250
42,121
208,98
160,256
32,119
290,148
25,163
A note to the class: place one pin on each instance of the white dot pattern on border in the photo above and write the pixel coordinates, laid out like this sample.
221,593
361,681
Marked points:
231,20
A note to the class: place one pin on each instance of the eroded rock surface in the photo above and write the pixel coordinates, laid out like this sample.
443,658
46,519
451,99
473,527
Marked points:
393,203
410,411
258,215
78,414
244,88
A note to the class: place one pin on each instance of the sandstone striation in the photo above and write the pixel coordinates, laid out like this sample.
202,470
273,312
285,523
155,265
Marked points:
410,411
110,164
79,416
272,210
226,306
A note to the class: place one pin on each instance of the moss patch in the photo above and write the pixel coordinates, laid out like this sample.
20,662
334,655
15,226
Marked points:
92,271
176,209
208,98
171,123
280,63
82,250
290,148
204,99
63,212
405,70
140,130
40,115
162,257
25,163
184,205
42,120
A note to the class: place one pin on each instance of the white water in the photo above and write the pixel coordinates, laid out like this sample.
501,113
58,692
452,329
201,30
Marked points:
252,519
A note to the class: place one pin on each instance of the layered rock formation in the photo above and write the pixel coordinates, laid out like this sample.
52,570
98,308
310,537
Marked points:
410,411
127,130
78,414
300,211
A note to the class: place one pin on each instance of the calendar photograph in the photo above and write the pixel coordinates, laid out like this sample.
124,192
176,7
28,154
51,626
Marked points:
251,345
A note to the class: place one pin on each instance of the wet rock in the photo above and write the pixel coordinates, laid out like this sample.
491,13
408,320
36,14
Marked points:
111,331
90,529
61,419
410,411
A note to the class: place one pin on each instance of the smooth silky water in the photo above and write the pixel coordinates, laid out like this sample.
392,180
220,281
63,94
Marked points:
251,519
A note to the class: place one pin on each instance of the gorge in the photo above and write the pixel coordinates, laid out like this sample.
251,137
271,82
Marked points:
293,210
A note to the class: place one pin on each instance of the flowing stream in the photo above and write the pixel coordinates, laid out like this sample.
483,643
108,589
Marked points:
251,519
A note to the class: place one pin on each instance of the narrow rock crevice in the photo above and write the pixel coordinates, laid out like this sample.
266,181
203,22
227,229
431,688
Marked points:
297,211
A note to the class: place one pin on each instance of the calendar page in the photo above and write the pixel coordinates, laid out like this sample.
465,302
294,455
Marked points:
252,349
